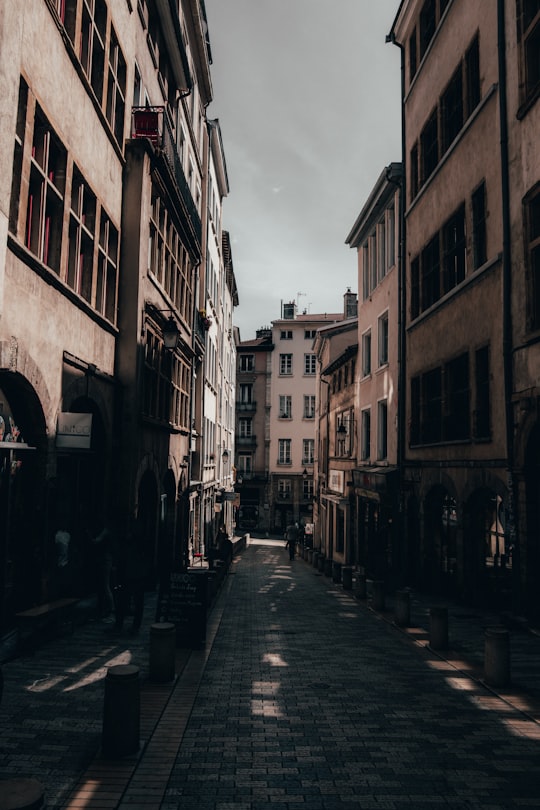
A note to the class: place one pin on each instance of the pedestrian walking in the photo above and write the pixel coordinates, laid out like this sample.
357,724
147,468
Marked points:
224,545
291,536
103,544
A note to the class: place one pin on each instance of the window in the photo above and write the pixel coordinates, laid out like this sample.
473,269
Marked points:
452,109
245,427
246,393
285,364
344,433
308,451
365,434
92,45
472,77
168,259
180,393
285,407
247,362
309,406
284,488
309,334
307,489
18,157
366,288
284,451
286,334
107,269
82,224
116,89
382,430
415,288
245,465
310,364
427,25
381,250
430,283
391,237
431,407
482,428
532,229
479,226
413,58
429,145
440,404
44,213
383,339
454,250
456,377
528,13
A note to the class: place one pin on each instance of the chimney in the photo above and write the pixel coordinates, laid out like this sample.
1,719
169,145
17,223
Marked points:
350,304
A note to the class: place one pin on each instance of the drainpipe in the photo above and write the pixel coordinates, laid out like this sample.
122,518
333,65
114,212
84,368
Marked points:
507,291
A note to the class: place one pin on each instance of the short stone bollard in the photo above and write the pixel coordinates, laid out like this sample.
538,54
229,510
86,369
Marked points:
327,568
310,556
162,659
320,563
121,712
497,656
21,794
336,572
360,586
378,600
346,577
438,628
402,609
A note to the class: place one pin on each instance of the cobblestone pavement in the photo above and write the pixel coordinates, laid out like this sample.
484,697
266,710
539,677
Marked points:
303,697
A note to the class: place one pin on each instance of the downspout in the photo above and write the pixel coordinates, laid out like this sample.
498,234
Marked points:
508,381
402,354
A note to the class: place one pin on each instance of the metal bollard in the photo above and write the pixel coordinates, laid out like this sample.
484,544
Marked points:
360,586
121,712
162,652
438,628
378,601
346,577
497,656
402,609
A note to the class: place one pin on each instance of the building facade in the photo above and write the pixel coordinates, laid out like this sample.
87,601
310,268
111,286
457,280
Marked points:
376,236
469,324
110,163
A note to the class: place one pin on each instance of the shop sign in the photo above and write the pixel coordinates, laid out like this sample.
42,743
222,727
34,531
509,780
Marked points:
74,431
336,481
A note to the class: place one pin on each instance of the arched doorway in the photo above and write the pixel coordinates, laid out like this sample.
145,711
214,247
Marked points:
488,552
24,521
532,528
440,540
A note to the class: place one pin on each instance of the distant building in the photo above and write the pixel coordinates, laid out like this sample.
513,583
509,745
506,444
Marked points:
379,547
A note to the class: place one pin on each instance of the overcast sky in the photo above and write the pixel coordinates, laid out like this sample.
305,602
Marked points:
307,93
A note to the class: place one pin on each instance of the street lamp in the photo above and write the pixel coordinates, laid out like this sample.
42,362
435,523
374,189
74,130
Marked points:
305,474
171,334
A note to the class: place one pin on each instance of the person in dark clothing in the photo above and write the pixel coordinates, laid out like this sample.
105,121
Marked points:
291,536
131,572
224,545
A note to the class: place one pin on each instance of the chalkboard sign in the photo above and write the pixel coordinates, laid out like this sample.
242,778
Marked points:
185,604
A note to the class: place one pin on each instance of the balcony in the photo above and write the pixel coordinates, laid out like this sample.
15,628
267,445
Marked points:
246,407
151,123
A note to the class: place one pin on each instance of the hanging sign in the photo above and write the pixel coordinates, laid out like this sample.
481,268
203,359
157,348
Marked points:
74,431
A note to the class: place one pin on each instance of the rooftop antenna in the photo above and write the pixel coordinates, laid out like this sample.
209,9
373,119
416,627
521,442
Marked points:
298,294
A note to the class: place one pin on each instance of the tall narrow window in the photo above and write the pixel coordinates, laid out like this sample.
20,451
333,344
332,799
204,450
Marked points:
366,354
116,89
310,364
82,224
457,421
309,406
382,430
431,428
107,269
285,407
479,226
366,434
532,214
383,339
472,68
454,247
482,428
285,364
45,208
308,451
529,40
92,45
284,451
429,142
18,157
452,109
431,271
